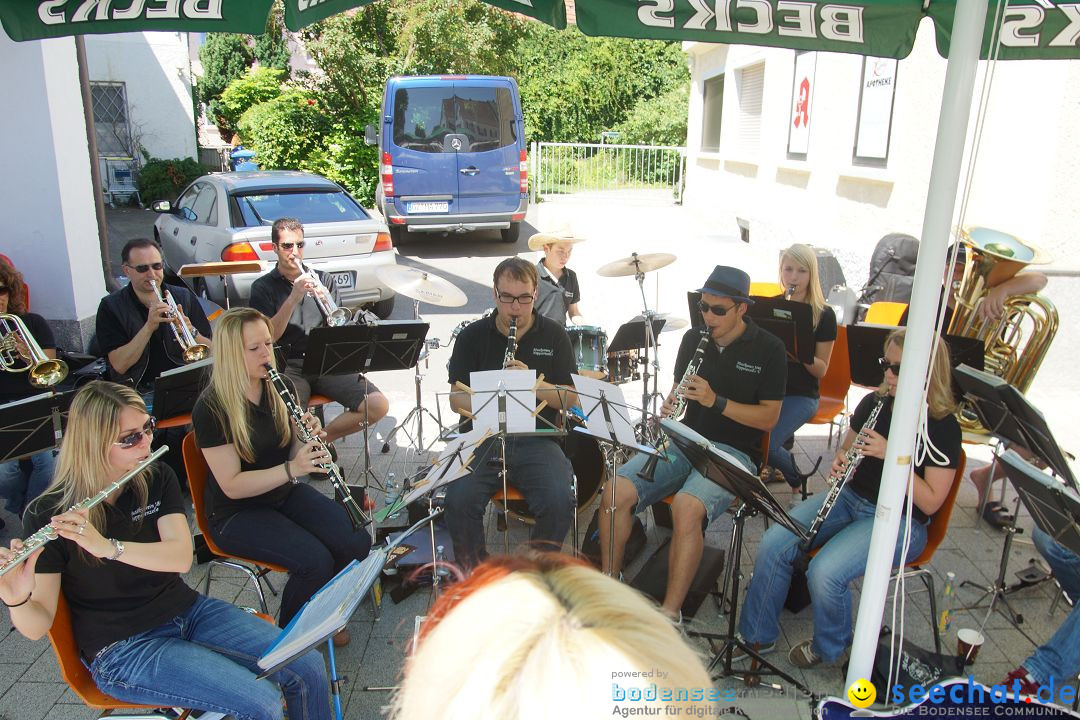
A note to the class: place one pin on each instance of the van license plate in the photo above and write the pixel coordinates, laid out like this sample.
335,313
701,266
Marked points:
343,279
428,207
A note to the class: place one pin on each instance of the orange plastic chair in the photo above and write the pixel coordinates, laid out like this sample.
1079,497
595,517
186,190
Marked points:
197,470
766,289
834,386
885,313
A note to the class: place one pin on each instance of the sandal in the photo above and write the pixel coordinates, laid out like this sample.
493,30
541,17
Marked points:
995,514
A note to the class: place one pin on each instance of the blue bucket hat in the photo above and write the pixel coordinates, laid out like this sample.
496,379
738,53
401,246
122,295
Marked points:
728,282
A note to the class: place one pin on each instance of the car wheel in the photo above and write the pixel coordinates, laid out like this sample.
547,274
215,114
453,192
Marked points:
384,308
511,234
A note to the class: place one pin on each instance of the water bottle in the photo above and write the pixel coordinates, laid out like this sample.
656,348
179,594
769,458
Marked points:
393,494
440,563
945,605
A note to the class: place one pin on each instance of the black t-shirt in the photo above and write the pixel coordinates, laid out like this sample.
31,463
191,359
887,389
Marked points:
268,294
749,370
556,296
799,379
941,301
265,442
944,433
545,348
111,601
14,386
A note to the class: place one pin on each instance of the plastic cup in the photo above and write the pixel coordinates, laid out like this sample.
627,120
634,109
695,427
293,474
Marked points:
968,642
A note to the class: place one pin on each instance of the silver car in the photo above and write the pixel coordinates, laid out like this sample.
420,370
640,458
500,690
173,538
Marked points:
227,216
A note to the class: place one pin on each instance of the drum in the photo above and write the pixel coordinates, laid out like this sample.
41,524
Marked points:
590,346
622,366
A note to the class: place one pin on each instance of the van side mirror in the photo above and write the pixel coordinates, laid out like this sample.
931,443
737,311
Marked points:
370,138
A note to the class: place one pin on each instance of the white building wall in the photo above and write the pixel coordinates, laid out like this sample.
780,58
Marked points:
156,70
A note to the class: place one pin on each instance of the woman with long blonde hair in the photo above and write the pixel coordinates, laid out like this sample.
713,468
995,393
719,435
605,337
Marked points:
843,539
799,278
147,637
256,505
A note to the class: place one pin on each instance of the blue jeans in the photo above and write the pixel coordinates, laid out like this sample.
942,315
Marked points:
23,480
829,574
308,533
795,412
1059,659
205,659
537,468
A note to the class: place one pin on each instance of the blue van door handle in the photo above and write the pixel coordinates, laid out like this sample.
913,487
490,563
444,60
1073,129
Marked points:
471,170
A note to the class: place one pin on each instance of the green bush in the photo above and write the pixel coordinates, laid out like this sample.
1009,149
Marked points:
162,179
287,133
257,85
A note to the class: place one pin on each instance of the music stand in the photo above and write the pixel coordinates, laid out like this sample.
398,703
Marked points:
33,424
637,335
176,390
754,497
792,322
866,343
1054,507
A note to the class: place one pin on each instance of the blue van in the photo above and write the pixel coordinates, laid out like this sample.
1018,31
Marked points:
452,155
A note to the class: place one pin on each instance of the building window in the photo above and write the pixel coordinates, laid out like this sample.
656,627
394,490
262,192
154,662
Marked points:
750,82
713,111
109,101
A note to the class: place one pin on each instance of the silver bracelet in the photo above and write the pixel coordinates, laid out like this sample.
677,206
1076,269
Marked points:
288,473
118,549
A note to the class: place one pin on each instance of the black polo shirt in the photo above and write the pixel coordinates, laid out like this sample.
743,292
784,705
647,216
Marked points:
944,433
799,380
556,296
545,348
111,601
15,386
211,433
268,294
751,369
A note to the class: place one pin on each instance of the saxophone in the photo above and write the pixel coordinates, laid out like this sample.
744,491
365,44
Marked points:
47,533
511,343
692,368
356,514
852,459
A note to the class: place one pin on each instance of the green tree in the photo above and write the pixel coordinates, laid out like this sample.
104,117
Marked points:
255,86
272,47
224,57
287,132
658,121
456,36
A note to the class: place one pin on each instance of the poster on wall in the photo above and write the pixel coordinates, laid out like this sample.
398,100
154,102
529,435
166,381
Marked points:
875,109
802,93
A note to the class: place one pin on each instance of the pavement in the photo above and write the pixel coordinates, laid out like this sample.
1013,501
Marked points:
30,685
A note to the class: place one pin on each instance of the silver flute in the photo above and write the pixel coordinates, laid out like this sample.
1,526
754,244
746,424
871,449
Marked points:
511,343
852,459
356,514
47,533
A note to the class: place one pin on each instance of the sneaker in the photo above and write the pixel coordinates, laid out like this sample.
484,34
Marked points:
803,656
761,649
1028,686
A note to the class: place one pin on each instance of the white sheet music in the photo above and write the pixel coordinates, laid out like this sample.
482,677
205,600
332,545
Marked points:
616,425
452,463
520,399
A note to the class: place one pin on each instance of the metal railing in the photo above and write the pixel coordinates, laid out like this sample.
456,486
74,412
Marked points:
653,171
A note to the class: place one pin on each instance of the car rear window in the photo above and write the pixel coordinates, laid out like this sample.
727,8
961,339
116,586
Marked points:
307,206
425,116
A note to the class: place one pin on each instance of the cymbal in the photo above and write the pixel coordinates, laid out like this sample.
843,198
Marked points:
636,263
674,323
421,285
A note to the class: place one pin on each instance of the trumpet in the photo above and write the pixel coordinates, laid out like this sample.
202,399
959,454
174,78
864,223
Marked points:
335,316
47,533
182,331
19,352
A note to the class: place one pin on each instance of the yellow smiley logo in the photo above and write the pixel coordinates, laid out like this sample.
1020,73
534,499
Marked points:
861,694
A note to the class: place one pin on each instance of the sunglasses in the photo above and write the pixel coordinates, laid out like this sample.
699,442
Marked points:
289,246
129,441
144,268
886,365
717,310
519,299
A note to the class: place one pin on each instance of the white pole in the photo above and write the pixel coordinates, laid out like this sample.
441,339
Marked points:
967,33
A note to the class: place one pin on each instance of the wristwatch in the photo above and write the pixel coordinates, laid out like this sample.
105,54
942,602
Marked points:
118,549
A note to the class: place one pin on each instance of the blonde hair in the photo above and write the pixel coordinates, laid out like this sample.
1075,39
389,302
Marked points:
940,399
227,392
542,637
804,256
83,468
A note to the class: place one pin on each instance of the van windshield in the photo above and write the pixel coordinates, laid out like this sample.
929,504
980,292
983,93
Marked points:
429,119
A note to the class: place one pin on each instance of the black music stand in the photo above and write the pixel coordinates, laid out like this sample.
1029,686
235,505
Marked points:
754,498
1054,507
636,335
792,322
176,390
866,343
33,424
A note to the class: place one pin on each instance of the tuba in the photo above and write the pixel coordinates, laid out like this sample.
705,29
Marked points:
19,352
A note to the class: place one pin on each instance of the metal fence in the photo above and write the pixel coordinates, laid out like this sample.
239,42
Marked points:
216,158
654,171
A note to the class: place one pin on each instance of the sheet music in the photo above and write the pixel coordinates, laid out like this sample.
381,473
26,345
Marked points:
187,368
677,428
616,426
520,399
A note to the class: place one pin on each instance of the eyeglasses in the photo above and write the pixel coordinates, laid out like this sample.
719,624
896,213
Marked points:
717,310
886,365
519,299
144,268
289,246
129,441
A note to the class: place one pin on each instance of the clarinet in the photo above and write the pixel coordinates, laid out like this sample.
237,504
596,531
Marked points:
47,533
852,459
357,516
692,368
790,291
511,343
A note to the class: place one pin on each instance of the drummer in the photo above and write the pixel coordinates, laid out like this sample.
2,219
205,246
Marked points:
559,292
